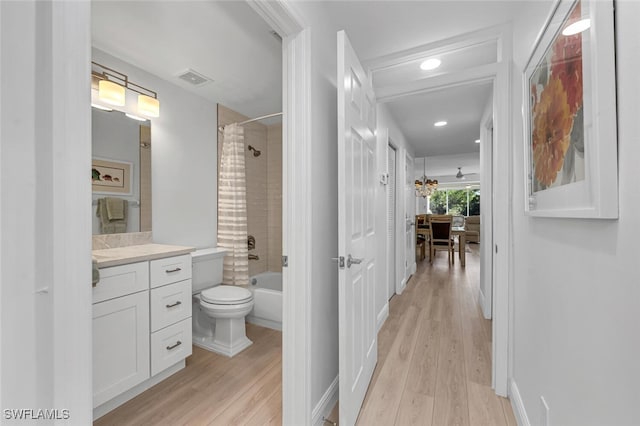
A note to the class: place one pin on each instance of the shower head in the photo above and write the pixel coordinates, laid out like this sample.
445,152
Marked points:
256,152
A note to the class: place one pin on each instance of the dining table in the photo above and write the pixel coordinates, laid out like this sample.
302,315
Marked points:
455,230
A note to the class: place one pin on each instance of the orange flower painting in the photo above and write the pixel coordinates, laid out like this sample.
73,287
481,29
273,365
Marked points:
556,88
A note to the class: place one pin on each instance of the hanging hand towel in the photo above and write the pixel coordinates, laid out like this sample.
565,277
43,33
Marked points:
115,208
115,226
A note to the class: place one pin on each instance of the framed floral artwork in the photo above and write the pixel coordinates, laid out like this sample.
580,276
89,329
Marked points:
571,160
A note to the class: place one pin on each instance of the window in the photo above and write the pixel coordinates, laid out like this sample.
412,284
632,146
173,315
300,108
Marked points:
463,202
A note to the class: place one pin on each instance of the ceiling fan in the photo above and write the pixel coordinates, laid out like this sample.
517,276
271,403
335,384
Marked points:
459,175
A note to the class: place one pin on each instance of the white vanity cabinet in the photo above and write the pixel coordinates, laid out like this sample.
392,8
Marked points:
120,330
141,327
170,311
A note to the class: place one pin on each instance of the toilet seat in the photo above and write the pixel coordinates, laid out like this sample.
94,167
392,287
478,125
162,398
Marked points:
226,295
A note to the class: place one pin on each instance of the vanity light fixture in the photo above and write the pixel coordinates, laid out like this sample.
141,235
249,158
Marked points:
577,27
112,88
430,64
111,93
440,123
148,106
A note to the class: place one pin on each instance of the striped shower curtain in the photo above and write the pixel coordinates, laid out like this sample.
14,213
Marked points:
232,207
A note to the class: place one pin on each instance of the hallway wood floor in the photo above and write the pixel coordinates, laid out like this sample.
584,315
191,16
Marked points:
434,354
434,367
214,389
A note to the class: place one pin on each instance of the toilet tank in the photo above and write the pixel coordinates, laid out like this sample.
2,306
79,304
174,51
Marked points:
206,268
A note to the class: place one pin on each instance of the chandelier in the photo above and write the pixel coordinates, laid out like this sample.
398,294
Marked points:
425,187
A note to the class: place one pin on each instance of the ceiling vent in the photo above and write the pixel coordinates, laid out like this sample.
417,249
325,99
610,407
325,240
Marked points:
193,77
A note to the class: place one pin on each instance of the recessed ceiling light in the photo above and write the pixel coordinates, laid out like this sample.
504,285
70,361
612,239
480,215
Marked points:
477,140
577,27
440,123
430,64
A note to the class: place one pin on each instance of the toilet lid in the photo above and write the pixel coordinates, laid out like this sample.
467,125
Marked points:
226,295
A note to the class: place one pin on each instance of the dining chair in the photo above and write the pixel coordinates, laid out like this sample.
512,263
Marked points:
440,236
421,240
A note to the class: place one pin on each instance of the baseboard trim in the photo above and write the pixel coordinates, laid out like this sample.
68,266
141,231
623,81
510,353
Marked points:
486,313
403,284
326,404
383,315
517,405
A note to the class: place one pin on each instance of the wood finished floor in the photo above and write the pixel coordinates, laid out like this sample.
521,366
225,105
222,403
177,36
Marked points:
214,389
434,354
434,367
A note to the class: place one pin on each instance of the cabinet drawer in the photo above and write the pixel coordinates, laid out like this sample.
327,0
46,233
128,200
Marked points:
170,345
170,304
170,270
121,280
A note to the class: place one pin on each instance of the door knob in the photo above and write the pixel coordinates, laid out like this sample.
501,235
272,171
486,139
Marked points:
353,261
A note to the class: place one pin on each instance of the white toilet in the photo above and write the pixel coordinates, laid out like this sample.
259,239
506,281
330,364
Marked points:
219,311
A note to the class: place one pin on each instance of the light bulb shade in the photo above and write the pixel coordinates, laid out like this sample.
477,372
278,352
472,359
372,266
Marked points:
111,93
148,106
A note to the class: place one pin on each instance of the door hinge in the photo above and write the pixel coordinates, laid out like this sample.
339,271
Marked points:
285,261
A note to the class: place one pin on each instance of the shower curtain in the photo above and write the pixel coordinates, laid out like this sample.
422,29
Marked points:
232,207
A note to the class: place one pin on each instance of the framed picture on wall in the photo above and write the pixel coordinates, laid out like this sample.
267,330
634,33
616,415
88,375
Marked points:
111,176
571,159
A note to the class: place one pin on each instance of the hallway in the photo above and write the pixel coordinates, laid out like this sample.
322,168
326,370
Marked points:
434,353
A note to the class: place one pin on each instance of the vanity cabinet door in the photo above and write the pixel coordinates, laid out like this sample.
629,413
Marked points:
120,345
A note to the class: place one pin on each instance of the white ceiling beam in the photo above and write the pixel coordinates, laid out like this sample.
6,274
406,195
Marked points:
469,76
487,35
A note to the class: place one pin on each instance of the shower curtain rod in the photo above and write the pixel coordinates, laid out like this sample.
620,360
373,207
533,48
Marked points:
221,128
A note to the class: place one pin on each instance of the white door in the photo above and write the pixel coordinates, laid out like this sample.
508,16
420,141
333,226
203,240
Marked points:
391,217
410,209
358,351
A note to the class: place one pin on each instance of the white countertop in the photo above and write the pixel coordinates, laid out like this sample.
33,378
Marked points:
138,253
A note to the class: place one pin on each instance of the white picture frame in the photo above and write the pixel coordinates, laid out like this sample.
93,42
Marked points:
571,156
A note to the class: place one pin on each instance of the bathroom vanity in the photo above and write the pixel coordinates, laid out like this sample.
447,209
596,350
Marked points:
141,320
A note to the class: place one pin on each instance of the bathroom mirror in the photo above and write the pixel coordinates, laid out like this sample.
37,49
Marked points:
120,169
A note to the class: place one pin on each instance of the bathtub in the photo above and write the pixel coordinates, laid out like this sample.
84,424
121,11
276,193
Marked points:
267,296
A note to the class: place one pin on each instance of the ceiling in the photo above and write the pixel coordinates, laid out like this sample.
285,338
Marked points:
386,27
225,41
461,107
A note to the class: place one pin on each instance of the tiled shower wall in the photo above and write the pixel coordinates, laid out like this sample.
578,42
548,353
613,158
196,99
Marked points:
264,188
274,196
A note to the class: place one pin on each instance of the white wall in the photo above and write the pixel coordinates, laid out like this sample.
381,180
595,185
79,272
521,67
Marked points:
576,298
45,207
184,166
388,129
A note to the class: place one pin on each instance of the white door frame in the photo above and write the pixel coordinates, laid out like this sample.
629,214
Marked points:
70,26
296,212
485,298
392,248
500,74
